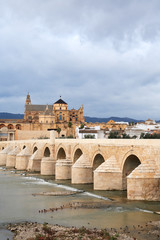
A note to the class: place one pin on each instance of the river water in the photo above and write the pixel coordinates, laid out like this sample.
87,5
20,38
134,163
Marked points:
18,204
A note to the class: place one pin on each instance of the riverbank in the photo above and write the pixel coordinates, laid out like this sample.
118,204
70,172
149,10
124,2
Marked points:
36,231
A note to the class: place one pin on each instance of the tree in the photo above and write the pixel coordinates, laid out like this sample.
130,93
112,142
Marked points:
58,130
89,136
69,124
113,134
82,126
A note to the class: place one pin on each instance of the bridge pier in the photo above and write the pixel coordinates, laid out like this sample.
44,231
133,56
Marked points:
108,176
11,158
3,155
63,169
47,166
22,159
34,163
82,171
143,183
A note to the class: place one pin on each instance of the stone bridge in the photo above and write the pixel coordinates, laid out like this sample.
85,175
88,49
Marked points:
110,164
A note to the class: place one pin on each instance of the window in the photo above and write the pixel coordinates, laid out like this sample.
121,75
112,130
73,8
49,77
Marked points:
60,117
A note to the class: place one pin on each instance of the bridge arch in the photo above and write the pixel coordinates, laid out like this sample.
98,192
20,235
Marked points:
47,152
130,163
35,149
61,154
77,153
97,160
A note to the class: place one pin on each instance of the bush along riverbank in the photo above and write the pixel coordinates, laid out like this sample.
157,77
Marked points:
37,231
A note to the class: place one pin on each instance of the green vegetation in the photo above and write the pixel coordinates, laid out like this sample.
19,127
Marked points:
115,134
58,130
74,233
150,136
132,123
82,126
69,124
89,136
43,137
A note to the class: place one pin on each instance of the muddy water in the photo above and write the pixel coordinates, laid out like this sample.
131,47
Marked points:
18,204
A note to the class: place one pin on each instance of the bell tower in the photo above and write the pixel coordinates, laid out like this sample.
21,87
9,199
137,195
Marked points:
28,99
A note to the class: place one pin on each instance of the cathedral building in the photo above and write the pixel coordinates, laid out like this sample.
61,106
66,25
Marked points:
55,114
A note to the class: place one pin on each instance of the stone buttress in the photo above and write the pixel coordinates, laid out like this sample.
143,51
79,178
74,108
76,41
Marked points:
3,155
108,176
11,157
82,171
22,159
144,182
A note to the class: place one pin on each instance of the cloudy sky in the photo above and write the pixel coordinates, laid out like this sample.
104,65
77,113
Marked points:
104,54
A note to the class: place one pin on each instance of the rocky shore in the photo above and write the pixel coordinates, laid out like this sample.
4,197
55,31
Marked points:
37,231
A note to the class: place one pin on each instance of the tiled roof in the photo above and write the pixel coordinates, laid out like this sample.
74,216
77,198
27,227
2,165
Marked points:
41,108
60,101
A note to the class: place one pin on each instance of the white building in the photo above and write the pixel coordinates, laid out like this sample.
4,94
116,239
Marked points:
92,132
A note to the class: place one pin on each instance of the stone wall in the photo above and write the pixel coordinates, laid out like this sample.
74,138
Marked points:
25,135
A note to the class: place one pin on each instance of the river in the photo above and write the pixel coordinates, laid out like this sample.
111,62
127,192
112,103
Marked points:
18,204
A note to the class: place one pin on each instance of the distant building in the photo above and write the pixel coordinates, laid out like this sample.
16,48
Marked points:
92,132
39,119
52,114
150,122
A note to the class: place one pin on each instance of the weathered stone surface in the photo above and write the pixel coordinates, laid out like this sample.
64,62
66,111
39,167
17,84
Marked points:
47,166
11,157
108,175
119,156
82,171
63,169
3,155
22,159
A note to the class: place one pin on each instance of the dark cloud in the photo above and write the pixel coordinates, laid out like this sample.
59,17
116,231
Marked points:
103,54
